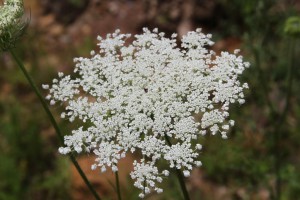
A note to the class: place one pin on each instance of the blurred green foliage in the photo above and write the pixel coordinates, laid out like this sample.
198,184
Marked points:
292,26
29,166
263,148
28,170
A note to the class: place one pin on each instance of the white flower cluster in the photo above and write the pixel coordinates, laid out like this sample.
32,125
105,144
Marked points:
10,12
150,97
146,175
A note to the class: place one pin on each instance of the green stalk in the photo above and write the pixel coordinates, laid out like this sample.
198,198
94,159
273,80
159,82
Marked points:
262,80
182,184
282,119
118,185
179,176
53,121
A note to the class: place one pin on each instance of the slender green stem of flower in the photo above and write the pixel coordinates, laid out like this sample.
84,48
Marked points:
263,80
53,121
281,120
144,186
118,185
182,184
179,176
289,82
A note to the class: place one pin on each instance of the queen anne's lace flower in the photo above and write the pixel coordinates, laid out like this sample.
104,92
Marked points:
152,97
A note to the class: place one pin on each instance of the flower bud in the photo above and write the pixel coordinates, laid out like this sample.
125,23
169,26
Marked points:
12,25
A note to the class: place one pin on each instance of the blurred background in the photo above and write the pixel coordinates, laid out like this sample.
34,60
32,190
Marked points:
261,158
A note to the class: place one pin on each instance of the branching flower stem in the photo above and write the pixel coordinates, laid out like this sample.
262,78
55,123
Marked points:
53,121
179,176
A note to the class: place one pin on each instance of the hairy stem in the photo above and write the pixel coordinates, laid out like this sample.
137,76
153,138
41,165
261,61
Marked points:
179,176
53,122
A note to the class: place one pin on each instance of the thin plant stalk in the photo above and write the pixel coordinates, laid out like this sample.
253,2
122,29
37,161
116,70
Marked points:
182,184
53,122
262,79
282,119
180,177
118,185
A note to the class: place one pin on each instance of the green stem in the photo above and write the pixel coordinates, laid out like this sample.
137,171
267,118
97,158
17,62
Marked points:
54,123
179,176
118,185
182,184
262,80
281,121
144,186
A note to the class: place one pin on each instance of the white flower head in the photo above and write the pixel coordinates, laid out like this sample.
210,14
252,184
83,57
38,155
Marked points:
146,176
151,97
